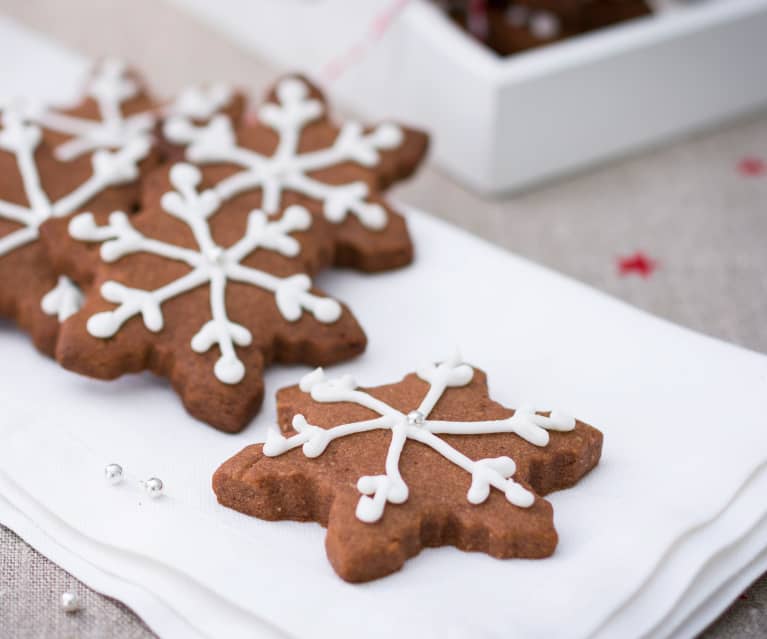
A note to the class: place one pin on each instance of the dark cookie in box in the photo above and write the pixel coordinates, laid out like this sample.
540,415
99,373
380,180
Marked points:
510,27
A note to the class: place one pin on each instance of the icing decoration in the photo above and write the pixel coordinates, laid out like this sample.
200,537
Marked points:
21,138
377,490
110,86
63,300
287,168
201,103
210,264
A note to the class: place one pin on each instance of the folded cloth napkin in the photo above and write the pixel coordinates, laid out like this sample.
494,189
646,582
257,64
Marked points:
723,577
699,564
683,417
59,543
695,613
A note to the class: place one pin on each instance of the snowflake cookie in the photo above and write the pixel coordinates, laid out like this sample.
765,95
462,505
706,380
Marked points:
52,164
118,112
295,154
428,461
207,293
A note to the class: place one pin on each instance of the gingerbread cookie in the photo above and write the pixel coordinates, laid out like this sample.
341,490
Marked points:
207,293
52,164
118,109
295,154
428,461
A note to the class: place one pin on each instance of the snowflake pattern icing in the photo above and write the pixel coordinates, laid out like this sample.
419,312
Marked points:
210,264
21,138
287,168
110,87
378,490
130,136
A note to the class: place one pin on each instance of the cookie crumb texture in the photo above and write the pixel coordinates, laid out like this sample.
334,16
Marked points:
324,489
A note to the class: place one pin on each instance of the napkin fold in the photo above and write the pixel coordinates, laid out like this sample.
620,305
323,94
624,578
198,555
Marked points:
700,563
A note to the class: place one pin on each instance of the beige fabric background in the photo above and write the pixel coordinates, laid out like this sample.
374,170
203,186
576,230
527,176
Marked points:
683,204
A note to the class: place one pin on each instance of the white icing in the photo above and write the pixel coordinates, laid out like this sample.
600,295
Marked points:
21,138
287,168
378,490
63,300
201,103
209,263
110,86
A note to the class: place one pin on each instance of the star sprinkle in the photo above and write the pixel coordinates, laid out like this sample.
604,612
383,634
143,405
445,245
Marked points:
637,264
751,166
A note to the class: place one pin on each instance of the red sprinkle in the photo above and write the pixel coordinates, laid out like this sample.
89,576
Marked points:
752,167
638,263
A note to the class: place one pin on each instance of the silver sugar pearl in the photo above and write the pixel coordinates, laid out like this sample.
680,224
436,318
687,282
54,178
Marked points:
153,487
415,418
70,602
113,473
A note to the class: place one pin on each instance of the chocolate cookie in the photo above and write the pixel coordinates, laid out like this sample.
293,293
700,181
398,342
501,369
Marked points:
52,164
295,154
428,461
512,26
206,292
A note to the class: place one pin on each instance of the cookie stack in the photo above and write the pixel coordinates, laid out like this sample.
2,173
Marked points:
181,239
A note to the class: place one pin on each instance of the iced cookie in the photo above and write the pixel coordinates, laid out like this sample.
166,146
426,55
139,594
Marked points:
52,165
205,292
428,461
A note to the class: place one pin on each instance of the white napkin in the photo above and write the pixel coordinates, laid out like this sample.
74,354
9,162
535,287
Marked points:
724,577
683,417
697,565
57,541
703,610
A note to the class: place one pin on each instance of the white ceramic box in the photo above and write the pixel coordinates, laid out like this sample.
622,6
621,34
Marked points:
501,124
